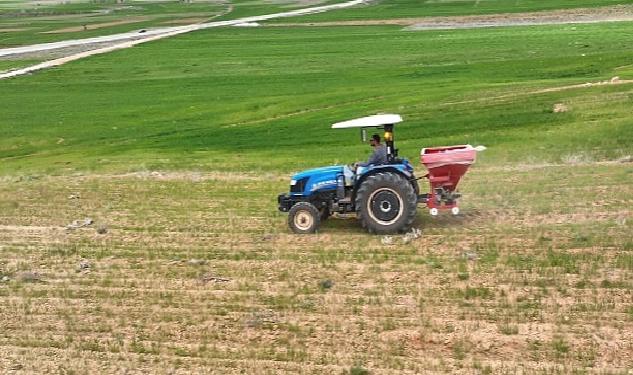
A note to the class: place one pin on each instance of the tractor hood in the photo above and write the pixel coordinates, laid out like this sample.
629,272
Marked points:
317,179
331,170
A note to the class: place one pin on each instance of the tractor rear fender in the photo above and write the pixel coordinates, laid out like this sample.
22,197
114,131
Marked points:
391,169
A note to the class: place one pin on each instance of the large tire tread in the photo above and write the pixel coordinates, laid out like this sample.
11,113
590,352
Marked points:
399,184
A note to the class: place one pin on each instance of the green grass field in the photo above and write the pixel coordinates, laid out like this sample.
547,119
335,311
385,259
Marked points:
25,22
236,99
177,149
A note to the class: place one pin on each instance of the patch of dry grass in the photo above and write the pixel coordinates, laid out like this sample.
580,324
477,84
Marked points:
200,274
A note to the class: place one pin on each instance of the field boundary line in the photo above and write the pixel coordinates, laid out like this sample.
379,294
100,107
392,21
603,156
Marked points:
612,82
573,16
166,175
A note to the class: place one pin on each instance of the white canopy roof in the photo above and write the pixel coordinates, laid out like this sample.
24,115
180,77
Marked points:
370,121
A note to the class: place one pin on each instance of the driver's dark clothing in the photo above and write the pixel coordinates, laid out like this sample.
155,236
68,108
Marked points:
379,156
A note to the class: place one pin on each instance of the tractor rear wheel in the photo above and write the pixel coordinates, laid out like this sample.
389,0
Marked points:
304,218
386,203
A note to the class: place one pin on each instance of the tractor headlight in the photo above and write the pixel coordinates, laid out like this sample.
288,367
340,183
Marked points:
297,185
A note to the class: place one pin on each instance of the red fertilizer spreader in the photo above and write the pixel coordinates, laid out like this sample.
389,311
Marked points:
446,166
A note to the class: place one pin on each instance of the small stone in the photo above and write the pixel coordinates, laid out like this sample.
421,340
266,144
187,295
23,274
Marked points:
73,196
84,265
560,108
80,223
205,278
625,159
412,235
470,255
387,240
5,279
197,262
29,276
326,284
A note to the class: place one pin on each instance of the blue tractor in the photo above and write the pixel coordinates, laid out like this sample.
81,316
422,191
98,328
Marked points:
383,197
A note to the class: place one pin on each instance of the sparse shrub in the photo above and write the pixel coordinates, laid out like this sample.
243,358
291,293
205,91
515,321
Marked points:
358,370
29,277
388,324
508,329
562,260
326,284
460,349
629,312
625,261
182,352
476,292
561,348
582,284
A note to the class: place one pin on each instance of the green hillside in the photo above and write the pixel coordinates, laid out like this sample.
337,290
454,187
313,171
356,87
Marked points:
263,98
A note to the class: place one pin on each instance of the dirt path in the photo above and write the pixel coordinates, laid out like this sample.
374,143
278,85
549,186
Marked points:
612,81
95,26
557,17
126,40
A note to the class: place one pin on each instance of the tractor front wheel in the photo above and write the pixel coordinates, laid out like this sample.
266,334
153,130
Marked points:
386,203
304,218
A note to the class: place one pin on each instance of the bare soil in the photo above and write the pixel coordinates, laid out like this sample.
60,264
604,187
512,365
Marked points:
198,273
567,16
11,30
95,26
186,21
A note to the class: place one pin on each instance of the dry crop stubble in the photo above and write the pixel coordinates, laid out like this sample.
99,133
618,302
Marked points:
193,274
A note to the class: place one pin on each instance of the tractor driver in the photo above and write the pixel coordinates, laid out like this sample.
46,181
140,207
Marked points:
379,156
